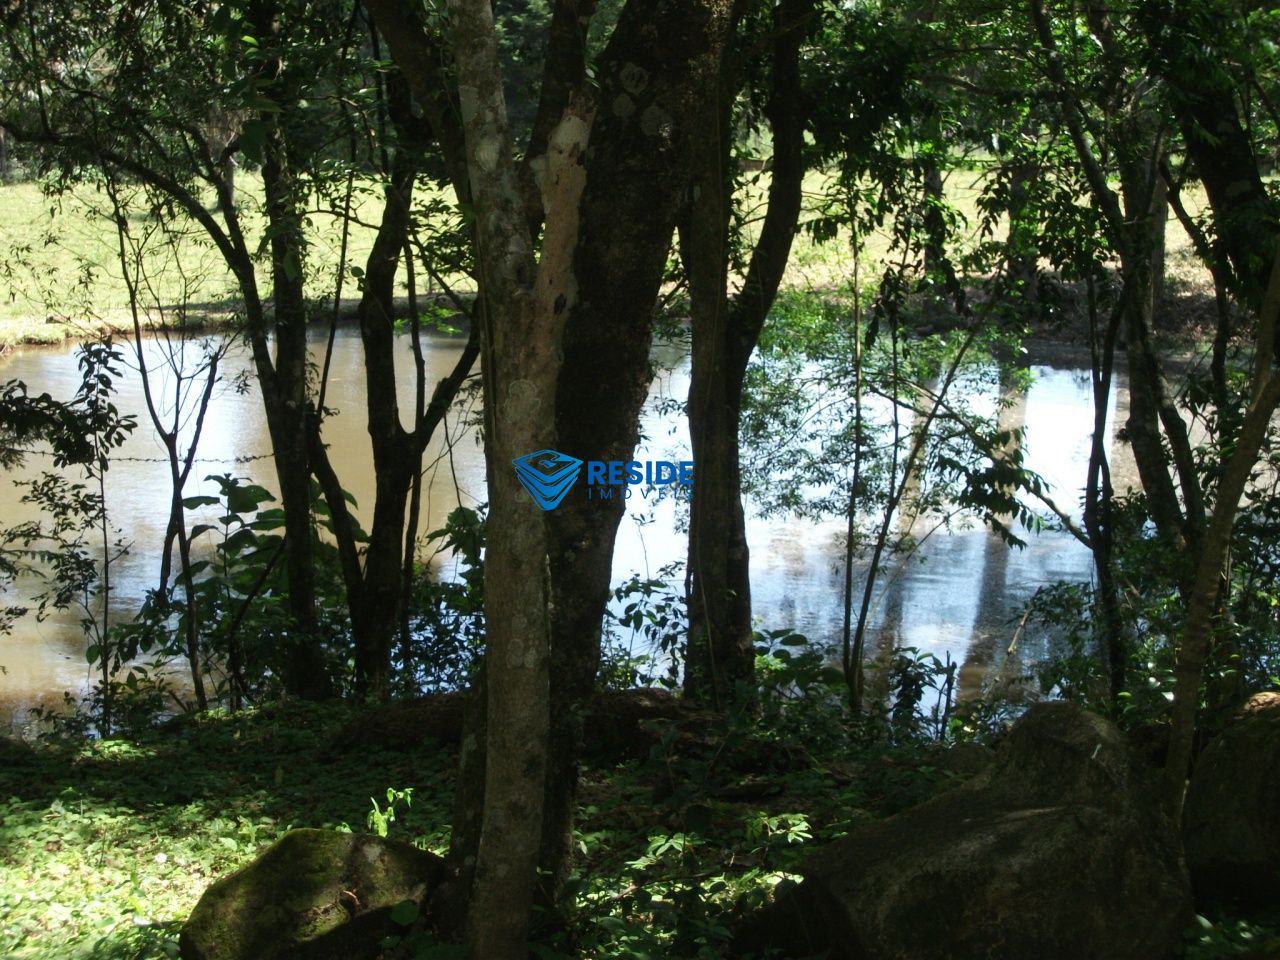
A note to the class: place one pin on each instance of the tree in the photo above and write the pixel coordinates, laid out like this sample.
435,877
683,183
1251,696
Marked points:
1210,59
725,329
96,91
1194,516
262,82
565,359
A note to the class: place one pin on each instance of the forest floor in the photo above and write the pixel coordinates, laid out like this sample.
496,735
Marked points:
105,846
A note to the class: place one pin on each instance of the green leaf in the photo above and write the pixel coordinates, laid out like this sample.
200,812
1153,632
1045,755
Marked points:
253,136
404,912
247,498
832,676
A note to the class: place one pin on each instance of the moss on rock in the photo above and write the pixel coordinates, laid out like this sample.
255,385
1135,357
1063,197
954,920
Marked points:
1058,851
1231,820
313,895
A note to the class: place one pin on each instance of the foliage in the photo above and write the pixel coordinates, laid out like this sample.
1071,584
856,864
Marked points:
1223,935
380,819
855,407
71,547
239,607
652,611
105,845
446,613
801,694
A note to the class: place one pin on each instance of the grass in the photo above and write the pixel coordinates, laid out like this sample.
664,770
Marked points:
61,276
60,273
105,846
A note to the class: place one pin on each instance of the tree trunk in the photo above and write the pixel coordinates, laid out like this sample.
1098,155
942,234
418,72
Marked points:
523,315
377,586
1204,600
1186,43
284,377
377,594
1099,513
720,656
603,252
227,196
1022,265
636,178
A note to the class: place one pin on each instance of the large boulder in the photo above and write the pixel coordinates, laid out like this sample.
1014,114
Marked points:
313,895
1059,851
1231,818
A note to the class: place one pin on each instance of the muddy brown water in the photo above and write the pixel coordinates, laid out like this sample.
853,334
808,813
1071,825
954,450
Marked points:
958,597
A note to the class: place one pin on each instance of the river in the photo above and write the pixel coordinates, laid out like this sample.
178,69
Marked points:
957,598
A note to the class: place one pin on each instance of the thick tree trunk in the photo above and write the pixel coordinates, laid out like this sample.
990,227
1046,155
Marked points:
636,178
524,311
1173,489
1186,43
720,656
601,265
1143,425
1244,214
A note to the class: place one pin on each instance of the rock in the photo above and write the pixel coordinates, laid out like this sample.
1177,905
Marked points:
313,895
1059,851
1231,817
1261,704
966,760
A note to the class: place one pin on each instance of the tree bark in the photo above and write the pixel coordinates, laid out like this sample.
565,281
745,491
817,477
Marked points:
588,313
720,655
650,95
1204,600
284,376
524,310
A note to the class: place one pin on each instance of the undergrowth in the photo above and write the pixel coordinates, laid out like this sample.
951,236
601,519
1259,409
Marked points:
105,846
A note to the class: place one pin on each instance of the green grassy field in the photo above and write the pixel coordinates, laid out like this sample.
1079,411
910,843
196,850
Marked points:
61,275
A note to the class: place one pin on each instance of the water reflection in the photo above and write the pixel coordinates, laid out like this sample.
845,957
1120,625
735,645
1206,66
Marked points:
957,595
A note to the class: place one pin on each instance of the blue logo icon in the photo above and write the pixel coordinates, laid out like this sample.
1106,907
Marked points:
547,475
